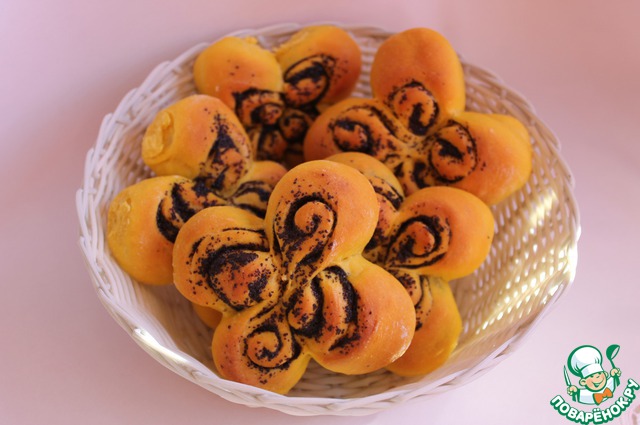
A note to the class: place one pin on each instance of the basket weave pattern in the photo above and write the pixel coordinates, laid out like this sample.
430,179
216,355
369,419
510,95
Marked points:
531,263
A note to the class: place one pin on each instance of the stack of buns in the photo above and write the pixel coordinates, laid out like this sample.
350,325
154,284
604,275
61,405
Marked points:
303,224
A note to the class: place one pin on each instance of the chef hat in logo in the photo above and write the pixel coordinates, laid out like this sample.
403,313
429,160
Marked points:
585,360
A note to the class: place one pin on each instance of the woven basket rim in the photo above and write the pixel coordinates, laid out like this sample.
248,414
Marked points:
186,366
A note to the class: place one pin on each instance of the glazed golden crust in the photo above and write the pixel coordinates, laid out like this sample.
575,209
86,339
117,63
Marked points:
277,95
424,240
359,125
389,195
248,79
257,347
437,336
440,231
295,286
233,64
199,138
416,124
302,215
221,260
127,212
333,210
321,65
496,156
209,316
419,67
143,220
377,328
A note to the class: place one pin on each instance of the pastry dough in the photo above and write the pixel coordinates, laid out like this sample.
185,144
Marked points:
277,95
435,235
418,75
437,331
143,222
198,137
417,126
209,316
346,261
199,143
321,65
230,67
296,286
145,218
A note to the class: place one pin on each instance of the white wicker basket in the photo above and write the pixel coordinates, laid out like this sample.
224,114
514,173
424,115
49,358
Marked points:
531,264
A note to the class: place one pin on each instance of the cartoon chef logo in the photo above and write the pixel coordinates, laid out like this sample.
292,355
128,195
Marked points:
585,362
595,387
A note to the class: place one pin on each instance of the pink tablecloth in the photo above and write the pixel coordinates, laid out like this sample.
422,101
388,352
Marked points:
66,64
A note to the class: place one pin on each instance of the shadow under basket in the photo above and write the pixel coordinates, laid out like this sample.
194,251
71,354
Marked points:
531,264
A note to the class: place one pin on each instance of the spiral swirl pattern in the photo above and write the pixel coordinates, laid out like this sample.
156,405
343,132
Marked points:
295,286
144,220
270,344
255,107
416,124
303,231
201,155
182,201
366,127
418,242
278,95
415,106
307,81
324,310
424,240
257,347
451,154
237,274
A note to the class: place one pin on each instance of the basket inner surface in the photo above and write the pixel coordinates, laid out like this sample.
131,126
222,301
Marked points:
531,262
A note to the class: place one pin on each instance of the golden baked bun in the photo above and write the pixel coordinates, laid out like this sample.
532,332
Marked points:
296,286
143,221
199,143
435,235
209,316
321,65
416,124
277,95
359,125
389,194
488,155
256,347
437,331
351,315
418,75
229,67
198,137
248,79
440,231
221,260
